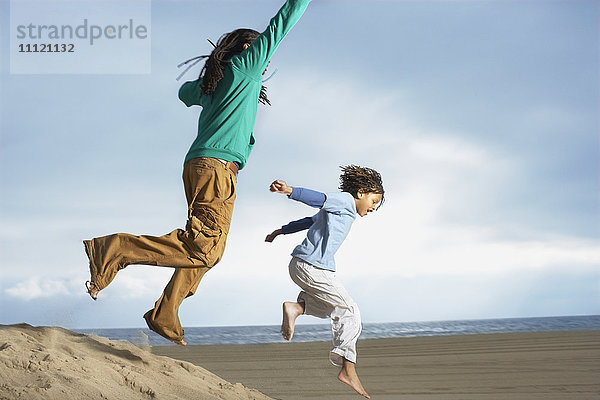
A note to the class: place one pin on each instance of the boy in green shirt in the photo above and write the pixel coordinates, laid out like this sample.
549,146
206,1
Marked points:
229,90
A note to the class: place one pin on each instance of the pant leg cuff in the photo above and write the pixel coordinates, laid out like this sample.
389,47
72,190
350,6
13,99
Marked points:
89,251
158,329
336,359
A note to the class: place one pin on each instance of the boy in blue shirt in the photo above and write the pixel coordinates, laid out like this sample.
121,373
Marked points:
313,266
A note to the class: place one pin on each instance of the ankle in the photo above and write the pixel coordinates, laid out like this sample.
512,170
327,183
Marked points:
294,308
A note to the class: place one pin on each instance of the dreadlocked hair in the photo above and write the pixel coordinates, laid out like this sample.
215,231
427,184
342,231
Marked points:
228,45
367,180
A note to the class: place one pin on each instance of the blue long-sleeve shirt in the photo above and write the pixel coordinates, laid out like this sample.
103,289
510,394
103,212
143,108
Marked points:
297,226
308,197
328,228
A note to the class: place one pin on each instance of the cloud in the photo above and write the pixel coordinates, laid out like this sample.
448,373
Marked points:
35,288
524,293
416,247
444,191
471,163
134,282
138,282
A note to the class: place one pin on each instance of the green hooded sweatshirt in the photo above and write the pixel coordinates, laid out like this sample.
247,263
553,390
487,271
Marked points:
227,119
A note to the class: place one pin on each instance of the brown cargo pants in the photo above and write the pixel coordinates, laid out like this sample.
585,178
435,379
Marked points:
210,191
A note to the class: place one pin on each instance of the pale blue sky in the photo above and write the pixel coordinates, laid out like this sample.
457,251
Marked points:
482,117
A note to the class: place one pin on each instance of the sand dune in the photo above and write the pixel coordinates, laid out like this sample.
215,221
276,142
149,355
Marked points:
54,363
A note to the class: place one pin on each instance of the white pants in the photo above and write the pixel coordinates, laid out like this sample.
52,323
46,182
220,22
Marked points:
325,297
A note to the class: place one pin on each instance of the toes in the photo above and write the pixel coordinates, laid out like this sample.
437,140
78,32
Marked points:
92,289
287,335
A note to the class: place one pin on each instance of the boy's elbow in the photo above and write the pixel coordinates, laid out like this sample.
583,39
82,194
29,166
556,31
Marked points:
187,104
182,95
187,92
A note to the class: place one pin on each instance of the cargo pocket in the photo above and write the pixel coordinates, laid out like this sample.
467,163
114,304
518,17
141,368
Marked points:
205,234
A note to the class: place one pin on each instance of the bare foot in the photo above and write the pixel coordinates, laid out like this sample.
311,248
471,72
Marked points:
291,311
348,376
92,289
179,342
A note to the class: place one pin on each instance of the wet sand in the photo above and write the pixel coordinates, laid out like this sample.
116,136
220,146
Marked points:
546,365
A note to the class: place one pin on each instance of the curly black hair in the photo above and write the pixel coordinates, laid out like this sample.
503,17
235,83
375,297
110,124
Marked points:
227,46
367,180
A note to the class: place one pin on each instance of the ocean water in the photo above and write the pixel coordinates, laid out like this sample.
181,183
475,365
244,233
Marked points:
322,332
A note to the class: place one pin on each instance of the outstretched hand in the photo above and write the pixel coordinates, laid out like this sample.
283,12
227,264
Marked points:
280,187
271,236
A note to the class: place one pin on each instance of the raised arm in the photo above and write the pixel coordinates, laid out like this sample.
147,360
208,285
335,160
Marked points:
307,196
254,60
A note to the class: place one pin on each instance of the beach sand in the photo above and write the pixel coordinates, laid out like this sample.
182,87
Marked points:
547,365
56,364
